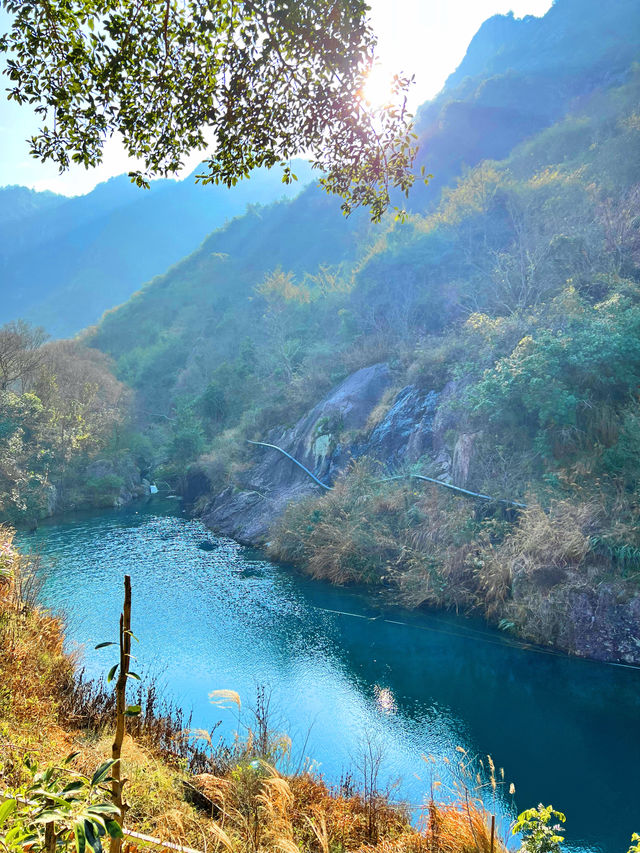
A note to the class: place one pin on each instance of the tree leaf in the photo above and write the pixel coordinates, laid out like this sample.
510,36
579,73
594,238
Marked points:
92,836
104,645
78,831
114,829
103,808
132,710
7,808
102,772
112,672
73,788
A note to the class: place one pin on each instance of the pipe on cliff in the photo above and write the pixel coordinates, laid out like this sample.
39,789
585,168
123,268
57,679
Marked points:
299,464
398,477
455,489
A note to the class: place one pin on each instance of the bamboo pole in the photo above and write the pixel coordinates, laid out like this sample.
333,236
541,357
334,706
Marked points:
117,783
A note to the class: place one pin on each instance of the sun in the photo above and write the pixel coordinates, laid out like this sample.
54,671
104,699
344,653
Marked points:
377,90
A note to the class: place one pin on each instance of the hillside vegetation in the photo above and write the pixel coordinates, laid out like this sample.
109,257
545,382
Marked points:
509,296
64,440
517,301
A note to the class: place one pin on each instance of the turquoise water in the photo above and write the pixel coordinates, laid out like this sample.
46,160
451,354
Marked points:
566,731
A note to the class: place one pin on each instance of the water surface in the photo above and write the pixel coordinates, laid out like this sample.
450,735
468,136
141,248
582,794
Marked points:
566,731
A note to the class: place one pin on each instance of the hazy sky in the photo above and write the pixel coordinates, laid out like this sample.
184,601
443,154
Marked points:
427,38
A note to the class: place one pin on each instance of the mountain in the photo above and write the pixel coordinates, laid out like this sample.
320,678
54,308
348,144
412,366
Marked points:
485,111
19,203
63,262
520,75
196,317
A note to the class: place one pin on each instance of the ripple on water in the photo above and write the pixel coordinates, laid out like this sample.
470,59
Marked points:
566,731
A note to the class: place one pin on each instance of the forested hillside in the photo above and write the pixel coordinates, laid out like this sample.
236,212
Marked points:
64,261
60,408
511,302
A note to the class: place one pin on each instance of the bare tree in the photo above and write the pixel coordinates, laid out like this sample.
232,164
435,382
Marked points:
620,219
20,352
85,401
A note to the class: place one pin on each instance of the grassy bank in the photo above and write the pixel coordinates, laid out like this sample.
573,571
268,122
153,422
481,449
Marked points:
431,547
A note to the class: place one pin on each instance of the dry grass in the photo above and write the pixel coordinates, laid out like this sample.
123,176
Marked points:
460,827
259,810
33,668
416,538
542,540
335,537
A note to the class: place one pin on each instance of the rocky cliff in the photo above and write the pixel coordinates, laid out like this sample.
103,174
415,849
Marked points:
341,428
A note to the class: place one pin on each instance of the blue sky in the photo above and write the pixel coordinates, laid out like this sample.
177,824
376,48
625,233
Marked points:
427,38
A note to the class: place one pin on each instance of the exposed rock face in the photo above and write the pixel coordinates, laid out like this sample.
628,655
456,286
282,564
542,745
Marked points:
314,440
462,457
574,613
318,442
405,434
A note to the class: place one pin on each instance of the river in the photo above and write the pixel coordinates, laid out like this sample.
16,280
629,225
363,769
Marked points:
344,669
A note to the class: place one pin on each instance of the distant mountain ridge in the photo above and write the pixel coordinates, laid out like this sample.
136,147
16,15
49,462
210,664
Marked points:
18,203
64,261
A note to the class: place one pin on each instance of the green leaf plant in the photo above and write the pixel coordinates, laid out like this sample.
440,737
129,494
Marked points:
537,835
60,809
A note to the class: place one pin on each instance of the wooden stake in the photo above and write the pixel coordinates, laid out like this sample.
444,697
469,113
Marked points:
493,831
50,837
121,689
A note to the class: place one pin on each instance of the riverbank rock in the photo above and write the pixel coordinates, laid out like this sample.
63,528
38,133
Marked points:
574,612
246,513
104,482
326,440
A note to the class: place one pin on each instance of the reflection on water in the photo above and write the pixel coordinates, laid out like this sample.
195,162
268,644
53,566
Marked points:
343,669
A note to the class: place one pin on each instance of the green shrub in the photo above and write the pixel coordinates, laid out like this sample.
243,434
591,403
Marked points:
555,379
103,491
537,835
